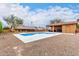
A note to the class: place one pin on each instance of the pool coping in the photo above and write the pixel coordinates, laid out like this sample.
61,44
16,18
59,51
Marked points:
27,39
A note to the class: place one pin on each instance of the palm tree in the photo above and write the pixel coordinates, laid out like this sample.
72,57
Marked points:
1,28
13,21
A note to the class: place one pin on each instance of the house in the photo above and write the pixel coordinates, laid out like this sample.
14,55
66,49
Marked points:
67,27
29,29
24,28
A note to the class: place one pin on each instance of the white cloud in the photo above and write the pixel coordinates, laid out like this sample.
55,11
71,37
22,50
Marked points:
43,17
16,9
65,13
38,17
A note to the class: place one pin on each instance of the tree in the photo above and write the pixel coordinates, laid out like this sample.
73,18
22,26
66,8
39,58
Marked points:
77,25
13,21
77,20
56,21
1,28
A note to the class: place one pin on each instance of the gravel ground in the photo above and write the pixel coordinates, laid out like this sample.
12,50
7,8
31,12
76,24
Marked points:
61,45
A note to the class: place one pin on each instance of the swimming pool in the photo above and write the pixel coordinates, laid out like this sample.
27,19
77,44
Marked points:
27,34
29,37
34,33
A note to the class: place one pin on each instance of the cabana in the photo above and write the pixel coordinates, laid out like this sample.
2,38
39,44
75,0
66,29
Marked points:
67,27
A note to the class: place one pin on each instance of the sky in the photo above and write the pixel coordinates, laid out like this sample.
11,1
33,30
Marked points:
47,5
40,14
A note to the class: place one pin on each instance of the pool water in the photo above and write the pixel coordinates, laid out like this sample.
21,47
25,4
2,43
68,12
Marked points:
27,34
30,34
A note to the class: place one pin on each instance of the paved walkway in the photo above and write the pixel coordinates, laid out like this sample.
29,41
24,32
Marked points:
60,45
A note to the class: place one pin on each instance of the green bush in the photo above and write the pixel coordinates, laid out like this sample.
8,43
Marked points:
1,28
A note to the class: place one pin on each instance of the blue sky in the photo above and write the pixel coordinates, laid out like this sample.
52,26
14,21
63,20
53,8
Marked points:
35,6
40,14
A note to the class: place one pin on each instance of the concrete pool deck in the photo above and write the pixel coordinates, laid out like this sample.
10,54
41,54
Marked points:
35,37
60,45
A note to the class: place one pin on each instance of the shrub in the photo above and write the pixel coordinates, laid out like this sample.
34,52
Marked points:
1,28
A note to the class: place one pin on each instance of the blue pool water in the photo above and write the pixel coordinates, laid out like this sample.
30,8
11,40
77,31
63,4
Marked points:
30,34
27,34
